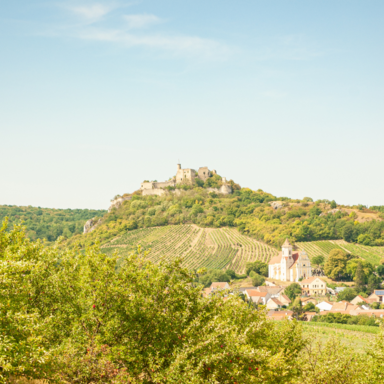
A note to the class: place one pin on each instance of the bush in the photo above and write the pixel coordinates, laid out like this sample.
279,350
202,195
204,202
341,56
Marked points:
257,280
76,318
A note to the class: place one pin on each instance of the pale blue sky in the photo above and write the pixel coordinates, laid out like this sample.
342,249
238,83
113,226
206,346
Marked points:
95,97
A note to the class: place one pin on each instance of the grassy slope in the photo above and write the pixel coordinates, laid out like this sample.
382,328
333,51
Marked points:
315,248
355,336
199,247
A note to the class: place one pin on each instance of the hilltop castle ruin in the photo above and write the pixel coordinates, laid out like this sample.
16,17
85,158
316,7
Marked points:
186,175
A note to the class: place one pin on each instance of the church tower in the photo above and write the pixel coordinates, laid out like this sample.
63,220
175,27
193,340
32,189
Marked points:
286,260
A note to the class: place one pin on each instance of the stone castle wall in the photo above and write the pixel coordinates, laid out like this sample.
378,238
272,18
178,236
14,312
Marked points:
154,191
187,175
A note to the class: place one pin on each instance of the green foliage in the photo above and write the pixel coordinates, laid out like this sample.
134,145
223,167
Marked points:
331,362
335,266
73,316
360,278
258,266
347,294
48,223
374,282
214,276
380,270
333,204
292,291
343,318
318,260
352,268
310,307
257,280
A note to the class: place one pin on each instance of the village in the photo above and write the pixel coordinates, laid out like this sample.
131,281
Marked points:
312,296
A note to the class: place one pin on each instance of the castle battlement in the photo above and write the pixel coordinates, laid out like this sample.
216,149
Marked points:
184,175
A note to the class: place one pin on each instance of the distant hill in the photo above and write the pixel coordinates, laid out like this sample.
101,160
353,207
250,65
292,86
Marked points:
49,223
198,247
256,214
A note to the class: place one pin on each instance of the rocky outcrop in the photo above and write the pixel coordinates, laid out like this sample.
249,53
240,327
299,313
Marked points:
91,224
117,202
225,189
276,204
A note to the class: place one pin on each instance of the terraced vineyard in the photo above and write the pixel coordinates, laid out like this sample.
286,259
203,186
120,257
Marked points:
199,247
315,248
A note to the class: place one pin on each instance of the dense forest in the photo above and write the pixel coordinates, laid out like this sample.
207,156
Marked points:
48,223
252,212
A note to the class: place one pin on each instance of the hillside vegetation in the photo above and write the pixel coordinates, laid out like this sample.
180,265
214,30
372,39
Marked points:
198,247
48,223
250,212
316,248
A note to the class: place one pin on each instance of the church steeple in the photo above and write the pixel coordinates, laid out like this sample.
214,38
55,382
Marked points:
287,249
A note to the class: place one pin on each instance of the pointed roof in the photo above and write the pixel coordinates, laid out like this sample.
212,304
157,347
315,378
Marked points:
287,243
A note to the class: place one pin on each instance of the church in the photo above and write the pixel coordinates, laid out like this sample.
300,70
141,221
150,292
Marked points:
289,266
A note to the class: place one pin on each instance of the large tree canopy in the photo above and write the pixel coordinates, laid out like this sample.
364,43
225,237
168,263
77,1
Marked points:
85,317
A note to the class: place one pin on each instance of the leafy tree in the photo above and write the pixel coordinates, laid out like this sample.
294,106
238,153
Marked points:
333,204
380,270
336,263
364,239
309,307
257,280
231,273
352,266
347,294
74,316
318,260
360,278
374,282
258,266
298,311
292,291
348,233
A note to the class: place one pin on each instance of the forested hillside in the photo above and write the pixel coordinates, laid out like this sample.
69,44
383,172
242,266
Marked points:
253,213
48,223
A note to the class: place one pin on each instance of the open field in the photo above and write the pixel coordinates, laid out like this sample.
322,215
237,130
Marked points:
356,336
315,248
199,247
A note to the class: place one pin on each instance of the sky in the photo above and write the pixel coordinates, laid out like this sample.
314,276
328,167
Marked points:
283,96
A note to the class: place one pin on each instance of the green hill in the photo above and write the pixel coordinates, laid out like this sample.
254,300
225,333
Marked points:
256,214
48,223
198,247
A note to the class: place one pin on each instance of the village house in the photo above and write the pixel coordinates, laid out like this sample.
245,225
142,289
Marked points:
273,291
257,297
313,286
306,300
325,305
279,315
288,265
274,304
360,299
284,299
377,295
219,286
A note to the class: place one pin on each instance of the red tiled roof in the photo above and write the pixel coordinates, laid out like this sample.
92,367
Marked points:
310,280
218,285
276,301
286,298
253,292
